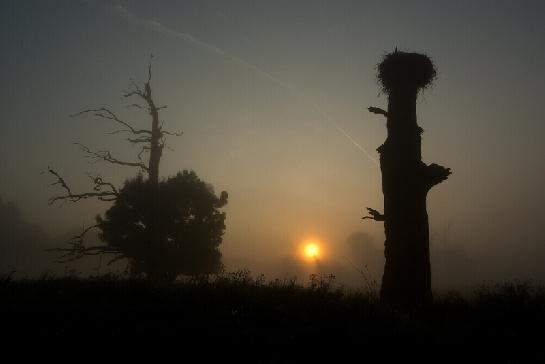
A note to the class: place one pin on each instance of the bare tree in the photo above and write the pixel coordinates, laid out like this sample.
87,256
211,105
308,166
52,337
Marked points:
151,141
406,181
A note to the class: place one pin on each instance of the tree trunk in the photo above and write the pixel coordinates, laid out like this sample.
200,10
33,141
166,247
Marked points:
407,272
156,245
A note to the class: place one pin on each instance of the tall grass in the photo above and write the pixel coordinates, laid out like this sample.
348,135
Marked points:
496,323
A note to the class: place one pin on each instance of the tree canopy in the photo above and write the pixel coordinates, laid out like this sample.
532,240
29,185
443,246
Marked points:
190,226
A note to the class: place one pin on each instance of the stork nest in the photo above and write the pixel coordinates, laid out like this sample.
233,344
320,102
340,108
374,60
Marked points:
406,70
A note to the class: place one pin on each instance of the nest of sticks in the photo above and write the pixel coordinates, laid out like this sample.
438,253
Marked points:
406,70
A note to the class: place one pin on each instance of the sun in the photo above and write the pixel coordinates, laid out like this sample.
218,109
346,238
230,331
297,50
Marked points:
312,250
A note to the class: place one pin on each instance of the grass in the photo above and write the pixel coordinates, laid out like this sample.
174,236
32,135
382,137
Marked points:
502,323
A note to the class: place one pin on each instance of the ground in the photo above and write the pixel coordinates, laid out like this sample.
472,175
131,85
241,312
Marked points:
278,321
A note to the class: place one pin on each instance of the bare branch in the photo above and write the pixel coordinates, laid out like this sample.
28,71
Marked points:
377,110
136,92
107,157
77,249
144,149
118,131
102,194
60,181
139,140
110,115
373,215
118,257
176,133
77,240
135,105
99,184
145,95
149,69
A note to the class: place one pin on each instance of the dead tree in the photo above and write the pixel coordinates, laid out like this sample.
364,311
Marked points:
406,181
151,141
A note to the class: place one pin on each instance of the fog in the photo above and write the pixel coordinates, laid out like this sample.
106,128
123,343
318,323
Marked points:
356,262
262,93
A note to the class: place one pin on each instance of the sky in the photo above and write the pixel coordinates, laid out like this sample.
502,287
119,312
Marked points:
272,98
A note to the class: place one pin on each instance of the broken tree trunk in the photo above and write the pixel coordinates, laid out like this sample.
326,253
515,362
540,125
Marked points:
406,181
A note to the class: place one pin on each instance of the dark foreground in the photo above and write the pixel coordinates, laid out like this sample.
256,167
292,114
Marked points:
239,317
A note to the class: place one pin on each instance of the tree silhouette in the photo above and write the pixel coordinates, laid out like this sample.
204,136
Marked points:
189,225
148,211
406,181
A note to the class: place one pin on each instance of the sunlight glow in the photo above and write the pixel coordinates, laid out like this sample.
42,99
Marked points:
311,250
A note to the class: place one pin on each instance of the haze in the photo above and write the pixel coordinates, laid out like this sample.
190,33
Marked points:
272,98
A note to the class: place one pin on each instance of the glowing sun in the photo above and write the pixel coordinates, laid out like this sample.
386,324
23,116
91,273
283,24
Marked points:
312,250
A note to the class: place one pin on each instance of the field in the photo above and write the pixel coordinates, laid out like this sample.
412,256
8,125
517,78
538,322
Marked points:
276,321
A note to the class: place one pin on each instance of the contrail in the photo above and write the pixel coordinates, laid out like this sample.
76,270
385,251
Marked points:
188,38
160,28
357,145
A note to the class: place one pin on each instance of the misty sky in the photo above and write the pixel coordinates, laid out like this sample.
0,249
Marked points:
272,97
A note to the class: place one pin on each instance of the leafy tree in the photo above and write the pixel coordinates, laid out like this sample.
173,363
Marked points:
189,223
164,228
